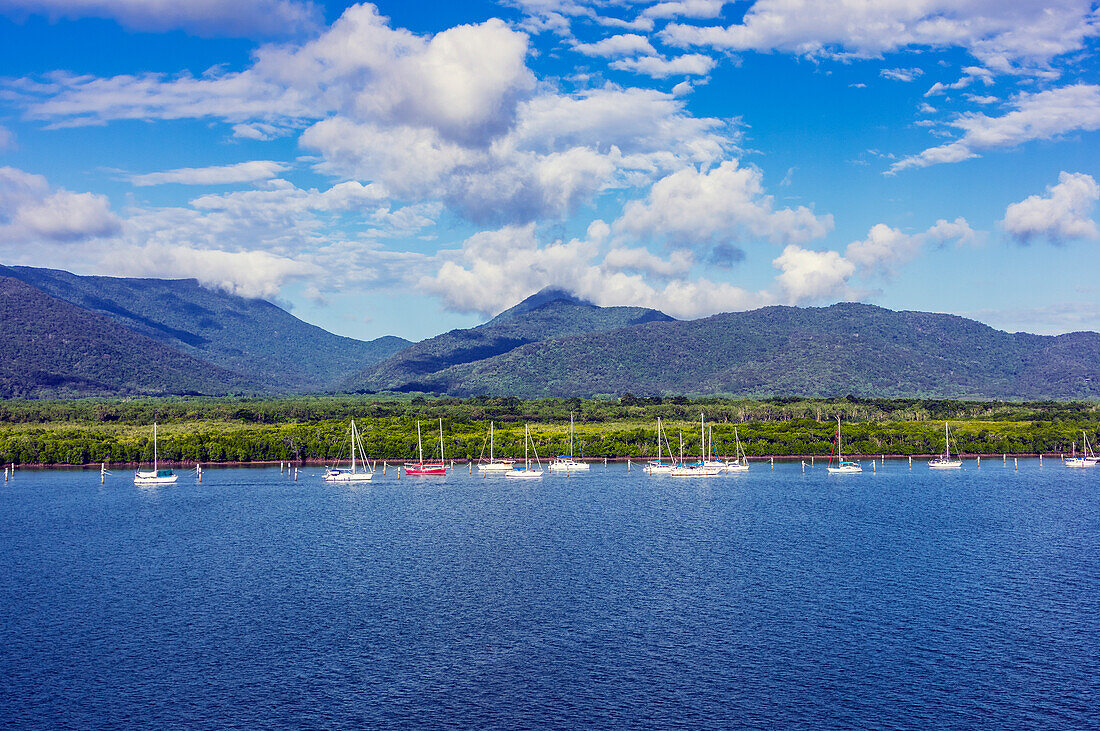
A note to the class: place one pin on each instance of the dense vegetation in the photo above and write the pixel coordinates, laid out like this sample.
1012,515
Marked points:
246,430
51,347
844,349
264,348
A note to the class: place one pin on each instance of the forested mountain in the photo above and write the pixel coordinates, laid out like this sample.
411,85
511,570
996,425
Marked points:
53,348
68,335
844,349
264,344
551,313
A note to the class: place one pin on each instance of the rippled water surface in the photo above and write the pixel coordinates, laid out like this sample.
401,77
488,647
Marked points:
901,598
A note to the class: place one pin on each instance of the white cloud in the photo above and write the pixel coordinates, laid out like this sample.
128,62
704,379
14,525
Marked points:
626,44
813,276
269,18
241,172
1036,116
7,138
659,67
32,212
901,74
244,273
496,269
640,23
1003,35
723,205
463,82
970,74
627,259
685,8
944,231
1064,213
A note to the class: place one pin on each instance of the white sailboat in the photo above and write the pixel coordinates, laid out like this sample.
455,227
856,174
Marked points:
842,467
494,464
700,468
565,462
335,474
741,462
155,476
1087,459
657,467
944,461
526,472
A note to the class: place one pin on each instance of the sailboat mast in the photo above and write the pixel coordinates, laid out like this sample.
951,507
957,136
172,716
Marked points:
947,441
490,442
658,439
570,435
526,441
702,438
353,445
839,457
419,444
441,439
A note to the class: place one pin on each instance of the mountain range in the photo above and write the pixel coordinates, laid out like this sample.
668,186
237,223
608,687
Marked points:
66,335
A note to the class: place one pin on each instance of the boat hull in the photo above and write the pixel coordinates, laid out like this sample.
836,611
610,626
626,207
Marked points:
425,469
524,474
155,480
569,467
495,467
348,477
953,464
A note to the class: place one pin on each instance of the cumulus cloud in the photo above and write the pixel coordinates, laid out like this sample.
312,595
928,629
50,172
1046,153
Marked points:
659,67
1064,213
33,212
815,276
627,44
495,269
810,276
685,8
245,273
463,82
7,138
639,259
1004,36
249,18
694,207
241,172
1036,116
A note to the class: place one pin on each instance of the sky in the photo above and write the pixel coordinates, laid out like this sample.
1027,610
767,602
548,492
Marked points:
409,167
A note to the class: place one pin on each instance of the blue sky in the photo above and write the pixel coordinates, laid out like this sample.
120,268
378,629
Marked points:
410,167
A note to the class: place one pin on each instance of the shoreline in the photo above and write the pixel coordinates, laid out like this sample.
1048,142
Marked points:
592,461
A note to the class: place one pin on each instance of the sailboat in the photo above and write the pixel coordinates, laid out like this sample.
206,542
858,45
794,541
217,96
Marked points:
565,462
427,468
842,466
335,474
700,468
944,461
741,462
526,472
155,476
494,464
1087,459
656,466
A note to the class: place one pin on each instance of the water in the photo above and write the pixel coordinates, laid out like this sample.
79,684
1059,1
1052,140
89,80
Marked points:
898,599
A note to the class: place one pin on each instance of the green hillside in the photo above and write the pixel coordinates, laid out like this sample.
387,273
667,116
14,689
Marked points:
545,315
53,348
248,336
844,349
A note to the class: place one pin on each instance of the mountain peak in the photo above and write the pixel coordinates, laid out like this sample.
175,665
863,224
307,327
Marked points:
539,299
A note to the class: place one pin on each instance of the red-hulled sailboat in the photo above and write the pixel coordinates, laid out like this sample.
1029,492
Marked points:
427,468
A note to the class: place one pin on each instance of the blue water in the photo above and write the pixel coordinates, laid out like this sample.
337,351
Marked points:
897,599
